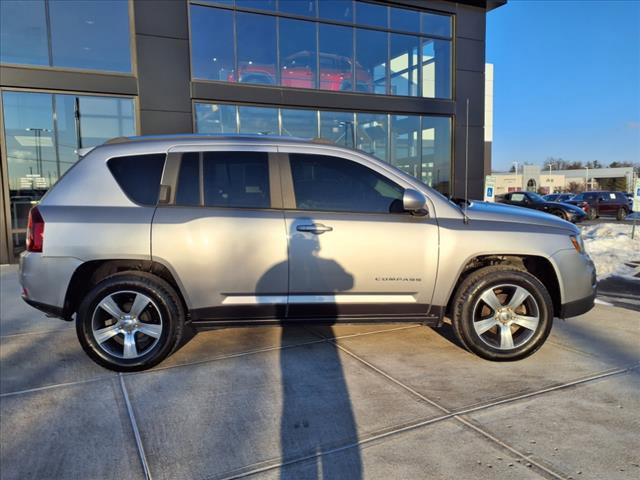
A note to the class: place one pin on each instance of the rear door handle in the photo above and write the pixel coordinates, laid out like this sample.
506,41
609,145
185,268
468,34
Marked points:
315,228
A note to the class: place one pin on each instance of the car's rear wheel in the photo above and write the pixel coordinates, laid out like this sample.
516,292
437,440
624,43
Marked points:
592,214
621,214
130,321
502,313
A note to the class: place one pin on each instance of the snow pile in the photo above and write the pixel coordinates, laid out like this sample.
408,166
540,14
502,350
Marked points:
610,247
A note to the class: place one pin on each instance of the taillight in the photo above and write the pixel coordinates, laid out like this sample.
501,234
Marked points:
35,231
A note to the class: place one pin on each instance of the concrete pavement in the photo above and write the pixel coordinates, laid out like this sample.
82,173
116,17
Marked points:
354,401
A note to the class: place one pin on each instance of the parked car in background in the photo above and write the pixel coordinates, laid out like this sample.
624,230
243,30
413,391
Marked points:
299,70
558,197
629,200
602,204
568,212
146,238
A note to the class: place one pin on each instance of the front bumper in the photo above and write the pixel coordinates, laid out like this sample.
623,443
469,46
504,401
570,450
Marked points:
578,282
578,307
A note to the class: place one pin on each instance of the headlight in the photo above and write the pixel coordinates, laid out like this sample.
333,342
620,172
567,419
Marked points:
577,242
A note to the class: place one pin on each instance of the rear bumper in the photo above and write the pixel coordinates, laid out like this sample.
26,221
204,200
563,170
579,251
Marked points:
49,310
578,307
45,280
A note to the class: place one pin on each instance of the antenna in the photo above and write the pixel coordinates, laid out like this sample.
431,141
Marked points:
466,166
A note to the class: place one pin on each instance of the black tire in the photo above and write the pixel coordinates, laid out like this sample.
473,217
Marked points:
592,215
621,214
468,296
164,301
561,214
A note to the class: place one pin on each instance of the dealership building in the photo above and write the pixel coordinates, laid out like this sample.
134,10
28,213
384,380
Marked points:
391,78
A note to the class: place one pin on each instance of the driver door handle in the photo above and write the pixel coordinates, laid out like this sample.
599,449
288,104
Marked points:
315,228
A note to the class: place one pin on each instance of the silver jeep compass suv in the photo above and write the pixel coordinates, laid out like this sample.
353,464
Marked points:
145,237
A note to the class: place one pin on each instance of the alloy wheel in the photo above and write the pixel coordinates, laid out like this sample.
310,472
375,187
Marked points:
506,316
126,324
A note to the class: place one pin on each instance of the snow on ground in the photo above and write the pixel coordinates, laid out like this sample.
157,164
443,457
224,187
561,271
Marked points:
610,247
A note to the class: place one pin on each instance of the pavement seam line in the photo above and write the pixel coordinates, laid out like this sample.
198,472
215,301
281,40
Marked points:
41,332
56,385
268,349
134,426
452,415
200,362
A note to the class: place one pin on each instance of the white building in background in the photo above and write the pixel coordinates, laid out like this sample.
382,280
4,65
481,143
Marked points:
533,179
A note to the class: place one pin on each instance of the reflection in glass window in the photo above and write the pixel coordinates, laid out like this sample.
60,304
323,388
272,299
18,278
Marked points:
261,4
371,61
371,14
41,146
340,10
434,24
338,127
92,35
299,123
436,152
256,44
212,118
421,146
436,68
336,52
258,120
403,64
371,136
23,32
404,19
298,7
405,152
87,34
298,53
212,43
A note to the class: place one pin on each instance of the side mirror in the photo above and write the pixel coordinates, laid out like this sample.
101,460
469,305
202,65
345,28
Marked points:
414,202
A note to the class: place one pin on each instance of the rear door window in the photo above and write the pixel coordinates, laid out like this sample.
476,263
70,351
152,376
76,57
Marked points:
139,176
336,184
236,179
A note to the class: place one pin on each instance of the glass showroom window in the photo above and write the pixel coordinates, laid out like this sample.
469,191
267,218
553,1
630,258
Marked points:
403,64
256,47
212,43
299,123
371,61
320,55
336,58
89,35
42,132
421,146
298,53
436,152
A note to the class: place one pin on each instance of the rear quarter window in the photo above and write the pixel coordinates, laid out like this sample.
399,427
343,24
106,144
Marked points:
139,176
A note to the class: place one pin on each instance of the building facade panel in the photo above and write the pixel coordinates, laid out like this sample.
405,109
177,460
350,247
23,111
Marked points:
388,77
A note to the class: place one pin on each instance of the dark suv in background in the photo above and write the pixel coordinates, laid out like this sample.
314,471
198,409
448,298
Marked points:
532,200
603,203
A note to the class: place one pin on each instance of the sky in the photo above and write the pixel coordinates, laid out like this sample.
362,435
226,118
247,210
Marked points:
566,81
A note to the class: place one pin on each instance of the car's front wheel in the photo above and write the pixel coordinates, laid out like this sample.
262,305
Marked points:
621,214
130,321
502,313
